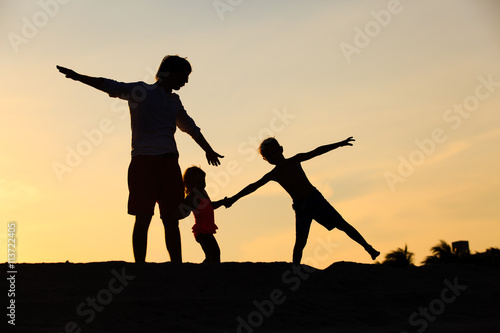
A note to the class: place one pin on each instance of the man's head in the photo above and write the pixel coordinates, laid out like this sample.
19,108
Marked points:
271,150
173,72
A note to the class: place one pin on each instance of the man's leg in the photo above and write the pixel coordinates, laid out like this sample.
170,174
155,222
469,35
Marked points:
140,237
173,239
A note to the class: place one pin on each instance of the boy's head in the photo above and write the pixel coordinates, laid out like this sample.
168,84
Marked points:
193,178
271,150
173,71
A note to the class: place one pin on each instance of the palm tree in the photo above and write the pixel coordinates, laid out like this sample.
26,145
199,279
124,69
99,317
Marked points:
442,253
399,258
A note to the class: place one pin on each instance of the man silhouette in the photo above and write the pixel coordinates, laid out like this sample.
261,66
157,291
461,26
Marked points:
154,174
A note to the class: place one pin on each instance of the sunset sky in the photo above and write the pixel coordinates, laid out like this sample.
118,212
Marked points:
416,83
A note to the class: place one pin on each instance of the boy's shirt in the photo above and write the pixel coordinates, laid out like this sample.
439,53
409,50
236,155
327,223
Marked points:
155,116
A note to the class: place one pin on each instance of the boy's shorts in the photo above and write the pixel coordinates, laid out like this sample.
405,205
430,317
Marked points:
152,179
314,207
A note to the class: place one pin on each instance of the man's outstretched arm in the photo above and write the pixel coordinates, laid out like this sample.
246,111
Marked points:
95,82
324,149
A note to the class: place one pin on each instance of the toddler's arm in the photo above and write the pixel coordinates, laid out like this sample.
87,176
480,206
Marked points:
186,207
323,149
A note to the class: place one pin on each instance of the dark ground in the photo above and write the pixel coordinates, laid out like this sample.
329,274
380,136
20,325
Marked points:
255,297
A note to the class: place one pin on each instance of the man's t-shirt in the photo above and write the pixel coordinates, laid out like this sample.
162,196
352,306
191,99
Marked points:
155,116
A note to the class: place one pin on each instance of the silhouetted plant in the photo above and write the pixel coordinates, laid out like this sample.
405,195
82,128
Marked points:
399,258
491,257
442,253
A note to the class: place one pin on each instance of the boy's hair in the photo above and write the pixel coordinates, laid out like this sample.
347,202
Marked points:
190,177
172,64
266,144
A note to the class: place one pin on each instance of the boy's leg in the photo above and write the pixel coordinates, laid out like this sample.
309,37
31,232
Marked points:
302,227
298,248
356,236
140,237
173,239
328,216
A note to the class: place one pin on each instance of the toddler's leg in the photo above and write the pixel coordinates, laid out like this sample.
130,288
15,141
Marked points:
214,249
210,248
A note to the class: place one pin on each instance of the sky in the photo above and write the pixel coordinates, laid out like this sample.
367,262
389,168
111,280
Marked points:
416,83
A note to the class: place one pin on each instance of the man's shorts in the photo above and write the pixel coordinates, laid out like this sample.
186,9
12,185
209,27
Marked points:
314,207
155,179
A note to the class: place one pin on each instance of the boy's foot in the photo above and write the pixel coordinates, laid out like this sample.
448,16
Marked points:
373,253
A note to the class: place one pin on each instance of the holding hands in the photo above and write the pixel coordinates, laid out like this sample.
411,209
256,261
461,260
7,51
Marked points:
228,202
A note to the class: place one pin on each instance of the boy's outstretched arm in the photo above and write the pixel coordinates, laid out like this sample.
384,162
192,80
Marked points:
95,82
324,149
218,203
247,190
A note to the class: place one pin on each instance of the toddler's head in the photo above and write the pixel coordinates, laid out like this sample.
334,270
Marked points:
194,178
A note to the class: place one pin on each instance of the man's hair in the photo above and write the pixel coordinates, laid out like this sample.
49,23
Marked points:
266,144
173,64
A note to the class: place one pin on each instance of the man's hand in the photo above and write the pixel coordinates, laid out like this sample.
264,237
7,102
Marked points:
70,74
213,158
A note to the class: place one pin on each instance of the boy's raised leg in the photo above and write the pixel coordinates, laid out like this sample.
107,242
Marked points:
140,237
356,236
173,239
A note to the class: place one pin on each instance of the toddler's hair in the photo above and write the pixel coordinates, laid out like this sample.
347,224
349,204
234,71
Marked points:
191,177
172,64
266,144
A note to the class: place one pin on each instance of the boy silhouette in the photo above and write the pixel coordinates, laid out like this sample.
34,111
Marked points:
308,202
154,174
